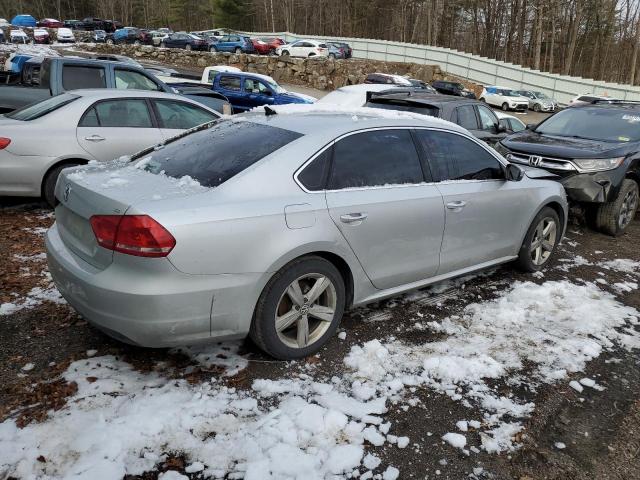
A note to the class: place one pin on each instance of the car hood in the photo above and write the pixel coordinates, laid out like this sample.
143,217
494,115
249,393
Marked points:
563,147
291,97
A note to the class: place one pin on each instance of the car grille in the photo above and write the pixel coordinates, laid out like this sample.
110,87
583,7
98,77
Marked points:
548,163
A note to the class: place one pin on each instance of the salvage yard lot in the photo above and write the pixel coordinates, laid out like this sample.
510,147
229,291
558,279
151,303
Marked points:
524,376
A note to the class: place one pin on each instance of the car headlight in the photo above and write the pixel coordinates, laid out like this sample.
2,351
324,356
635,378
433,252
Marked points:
597,164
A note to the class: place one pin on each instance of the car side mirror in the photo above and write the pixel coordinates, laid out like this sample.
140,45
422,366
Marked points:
501,127
513,173
531,126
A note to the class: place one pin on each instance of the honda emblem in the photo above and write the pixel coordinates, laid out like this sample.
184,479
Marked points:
535,160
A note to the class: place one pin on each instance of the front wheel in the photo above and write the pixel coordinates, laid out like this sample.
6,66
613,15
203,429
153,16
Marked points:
540,242
188,47
213,49
536,107
238,50
109,41
505,107
614,217
299,309
285,53
137,43
163,45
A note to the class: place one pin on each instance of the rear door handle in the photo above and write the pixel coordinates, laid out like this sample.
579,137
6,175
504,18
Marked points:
95,138
457,205
353,217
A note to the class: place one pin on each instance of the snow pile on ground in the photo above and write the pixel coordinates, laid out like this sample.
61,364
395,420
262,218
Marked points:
36,296
533,334
27,49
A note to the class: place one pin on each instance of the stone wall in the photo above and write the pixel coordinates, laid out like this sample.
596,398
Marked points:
319,73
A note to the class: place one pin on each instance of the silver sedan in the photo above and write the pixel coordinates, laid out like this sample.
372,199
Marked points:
271,225
39,140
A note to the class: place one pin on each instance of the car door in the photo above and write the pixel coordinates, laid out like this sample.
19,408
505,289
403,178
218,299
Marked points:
257,93
378,198
112,128
230,86
485,213
175,116
223,44
297,49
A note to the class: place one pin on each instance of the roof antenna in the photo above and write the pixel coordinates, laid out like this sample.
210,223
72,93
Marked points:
269,111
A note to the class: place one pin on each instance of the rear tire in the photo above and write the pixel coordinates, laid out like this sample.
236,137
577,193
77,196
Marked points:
505,106
188,47
238,50
332,55
163,45
213,49
540,242
109,41
285,53
49,183
614,217
536,107
300,333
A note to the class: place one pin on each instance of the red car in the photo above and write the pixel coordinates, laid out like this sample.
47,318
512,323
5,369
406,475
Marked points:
41,36
267,45
50,23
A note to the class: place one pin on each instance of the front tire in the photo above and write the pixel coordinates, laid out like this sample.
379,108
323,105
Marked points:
49,184
299,309
188,47
505,107
285,53
614,217
541,241
109,41
536,107
163,45
213,49
238,50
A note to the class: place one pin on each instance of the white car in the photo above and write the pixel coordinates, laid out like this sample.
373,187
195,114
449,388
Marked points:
65,35
505,98
17,35
588,98
510,122
4,22
83,125
304,48
354,95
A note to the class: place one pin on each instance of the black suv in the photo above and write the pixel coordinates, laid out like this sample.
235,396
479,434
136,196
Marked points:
452,88
473,115
595,151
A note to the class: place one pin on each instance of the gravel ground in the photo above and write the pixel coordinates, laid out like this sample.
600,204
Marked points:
601,429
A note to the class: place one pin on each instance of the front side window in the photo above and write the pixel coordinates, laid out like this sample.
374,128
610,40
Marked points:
120,113
454,157
127,79
375,158
230,83
214,155
487,119
75,77
467,117
181,115
255,86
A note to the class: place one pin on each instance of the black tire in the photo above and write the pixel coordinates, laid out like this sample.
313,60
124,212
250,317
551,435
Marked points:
285,53
238,51
483,100
188,47
505,107
536,107
137,43
163,45
525,261
263,327
109,41
49,183
213,49
332,55
614,217
312,55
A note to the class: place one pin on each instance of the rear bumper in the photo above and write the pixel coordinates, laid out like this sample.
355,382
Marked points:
153,305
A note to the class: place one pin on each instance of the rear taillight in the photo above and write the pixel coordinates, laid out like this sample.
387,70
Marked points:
138,235
4,142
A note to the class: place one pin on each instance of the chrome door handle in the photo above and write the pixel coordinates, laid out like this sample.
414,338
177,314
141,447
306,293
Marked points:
94,138
457,205
353,217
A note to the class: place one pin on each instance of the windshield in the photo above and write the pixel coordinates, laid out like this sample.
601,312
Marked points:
275,87
609,125
40,109
215,154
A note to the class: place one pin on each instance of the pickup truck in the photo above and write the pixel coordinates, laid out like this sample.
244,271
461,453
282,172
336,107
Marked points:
44,77
168,75
249,90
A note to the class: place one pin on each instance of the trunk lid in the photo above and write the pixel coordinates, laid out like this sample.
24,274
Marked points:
106,189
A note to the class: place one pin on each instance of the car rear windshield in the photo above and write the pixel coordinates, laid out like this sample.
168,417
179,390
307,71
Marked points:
40,109
404,106
593,123
215,154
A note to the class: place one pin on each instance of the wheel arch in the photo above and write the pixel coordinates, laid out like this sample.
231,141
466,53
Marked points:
59,163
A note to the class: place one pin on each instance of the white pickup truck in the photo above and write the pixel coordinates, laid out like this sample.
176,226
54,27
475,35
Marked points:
208,75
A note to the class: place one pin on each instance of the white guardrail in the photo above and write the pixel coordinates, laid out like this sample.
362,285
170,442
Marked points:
477,69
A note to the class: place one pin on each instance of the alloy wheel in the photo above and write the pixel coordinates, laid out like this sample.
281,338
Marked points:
628,209
306,310
543,241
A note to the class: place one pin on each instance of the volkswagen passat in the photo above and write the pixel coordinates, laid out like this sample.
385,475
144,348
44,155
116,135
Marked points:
272,225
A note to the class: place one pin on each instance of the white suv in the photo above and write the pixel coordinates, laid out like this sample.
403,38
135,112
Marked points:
304,48
505,98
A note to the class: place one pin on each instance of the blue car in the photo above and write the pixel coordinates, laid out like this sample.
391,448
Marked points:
234,44
23,21
248,90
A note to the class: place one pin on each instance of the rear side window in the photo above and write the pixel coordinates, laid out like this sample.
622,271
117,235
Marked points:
454,157
75,77
376,158
214,155
314,175
467,117
118,113
230,83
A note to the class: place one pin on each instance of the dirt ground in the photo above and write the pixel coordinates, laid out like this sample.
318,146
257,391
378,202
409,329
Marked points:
600,428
